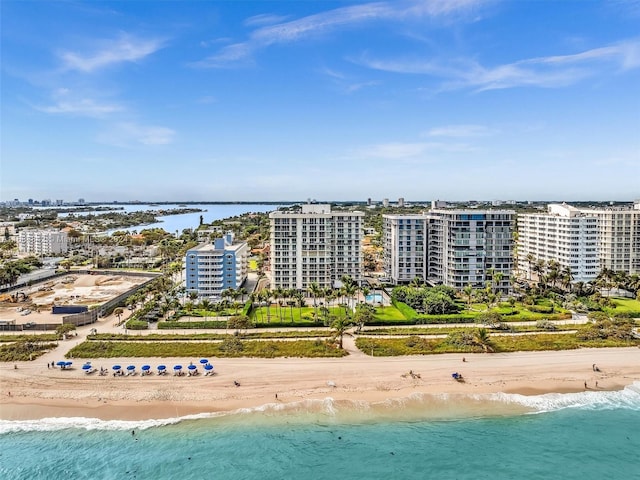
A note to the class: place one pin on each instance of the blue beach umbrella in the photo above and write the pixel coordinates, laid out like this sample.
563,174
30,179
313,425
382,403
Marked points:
146,367
192,367
86,366
208,366
116,367
204,361
67,364
162,367
131,367
61,363
177,367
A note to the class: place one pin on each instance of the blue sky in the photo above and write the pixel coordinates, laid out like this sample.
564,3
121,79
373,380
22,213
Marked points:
214,101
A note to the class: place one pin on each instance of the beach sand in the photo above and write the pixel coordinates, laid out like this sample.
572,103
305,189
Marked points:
33,391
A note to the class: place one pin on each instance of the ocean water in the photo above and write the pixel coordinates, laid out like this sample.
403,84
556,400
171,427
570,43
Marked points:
589,435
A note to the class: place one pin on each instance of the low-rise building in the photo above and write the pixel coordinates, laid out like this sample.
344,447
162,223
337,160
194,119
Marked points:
213,267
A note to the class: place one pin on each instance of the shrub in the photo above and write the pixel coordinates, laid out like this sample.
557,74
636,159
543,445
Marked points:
136,325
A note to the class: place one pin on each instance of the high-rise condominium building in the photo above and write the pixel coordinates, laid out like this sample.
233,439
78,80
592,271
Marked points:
43,242
586,240
470,247
450,247
565,235
405,240
315,245
214,267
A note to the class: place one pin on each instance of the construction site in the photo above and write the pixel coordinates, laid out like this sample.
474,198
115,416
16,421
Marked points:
34,305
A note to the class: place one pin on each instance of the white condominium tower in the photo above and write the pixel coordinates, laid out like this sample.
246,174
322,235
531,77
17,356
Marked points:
405,250
585,239
315,245
565,235
42,242
618,237
450,247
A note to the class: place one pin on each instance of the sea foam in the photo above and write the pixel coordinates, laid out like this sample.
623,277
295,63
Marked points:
417,406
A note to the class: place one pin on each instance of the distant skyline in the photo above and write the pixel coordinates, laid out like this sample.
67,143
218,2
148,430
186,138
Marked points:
284,101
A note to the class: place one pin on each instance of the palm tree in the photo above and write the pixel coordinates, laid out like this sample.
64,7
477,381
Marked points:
339,326
468,291
530,261
481,338
206,306
315,290
118,313
300,300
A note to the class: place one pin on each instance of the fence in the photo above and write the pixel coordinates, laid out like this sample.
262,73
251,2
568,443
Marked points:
80,319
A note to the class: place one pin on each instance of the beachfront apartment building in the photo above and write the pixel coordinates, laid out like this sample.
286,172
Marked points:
213,267
404,247
565,235
470,247
586,240
450,247
618,237
315,244
43,242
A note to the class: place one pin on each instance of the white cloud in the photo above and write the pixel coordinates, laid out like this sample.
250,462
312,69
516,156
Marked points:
264,19
325,22
461,131
409,150
67,102
128,134
547,72
126,48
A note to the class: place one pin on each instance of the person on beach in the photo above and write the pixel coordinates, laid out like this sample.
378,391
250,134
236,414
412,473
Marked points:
464,359
585,385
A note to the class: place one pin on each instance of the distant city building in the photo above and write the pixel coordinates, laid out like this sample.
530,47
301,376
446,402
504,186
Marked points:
451,247
369,202
586,240
42,242
401,202
81,201
385,202
211,268
315,245
438,204
59,202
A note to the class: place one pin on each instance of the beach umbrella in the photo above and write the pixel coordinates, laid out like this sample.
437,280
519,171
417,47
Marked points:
162,367
146,367
67,364
192,367
204,361
177,367
86,366
208,366
131,367
116,367
61,363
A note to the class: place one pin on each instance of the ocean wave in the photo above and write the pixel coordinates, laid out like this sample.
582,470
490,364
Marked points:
417,406
627,398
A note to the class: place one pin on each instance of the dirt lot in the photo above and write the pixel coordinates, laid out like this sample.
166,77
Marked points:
67,290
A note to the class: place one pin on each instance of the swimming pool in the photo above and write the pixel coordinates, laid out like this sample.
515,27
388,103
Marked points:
374,298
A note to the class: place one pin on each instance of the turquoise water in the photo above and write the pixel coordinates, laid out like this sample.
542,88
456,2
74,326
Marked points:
591,435
374,297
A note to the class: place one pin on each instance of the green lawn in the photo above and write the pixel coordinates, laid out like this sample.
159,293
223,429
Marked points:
624,305
294,315
389,314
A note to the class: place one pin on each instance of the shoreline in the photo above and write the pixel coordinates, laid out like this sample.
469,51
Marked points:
376,384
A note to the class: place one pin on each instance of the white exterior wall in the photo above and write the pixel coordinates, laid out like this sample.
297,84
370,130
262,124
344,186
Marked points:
315,245
43,242
404,247
566,236
586,240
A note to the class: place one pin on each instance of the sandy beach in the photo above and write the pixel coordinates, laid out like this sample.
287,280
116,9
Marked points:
33,391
